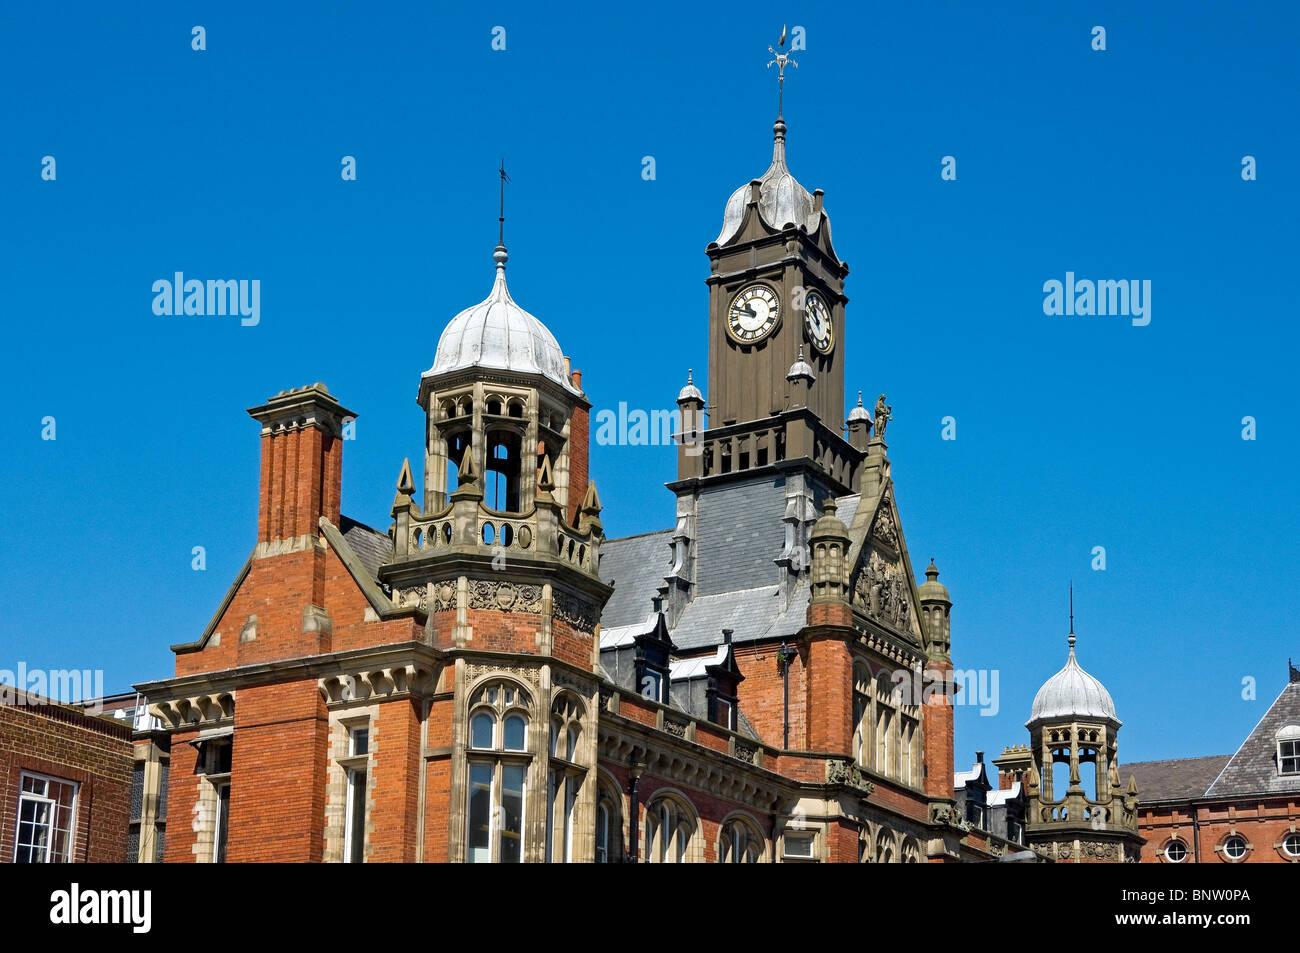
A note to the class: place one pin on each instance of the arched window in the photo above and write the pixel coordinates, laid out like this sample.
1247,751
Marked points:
885,853
609,824
564,777
863,737
670,826
457,443
497,768
886,746
740,842
501,487
911,852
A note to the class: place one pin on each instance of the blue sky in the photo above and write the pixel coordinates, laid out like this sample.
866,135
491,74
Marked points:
1072,432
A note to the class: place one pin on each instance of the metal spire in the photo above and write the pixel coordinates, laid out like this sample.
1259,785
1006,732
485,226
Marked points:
1071,639
501,221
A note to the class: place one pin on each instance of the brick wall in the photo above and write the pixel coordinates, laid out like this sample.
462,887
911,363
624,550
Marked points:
69,745
278,765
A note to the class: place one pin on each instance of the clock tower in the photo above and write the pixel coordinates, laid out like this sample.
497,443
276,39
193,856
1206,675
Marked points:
759,457
776,334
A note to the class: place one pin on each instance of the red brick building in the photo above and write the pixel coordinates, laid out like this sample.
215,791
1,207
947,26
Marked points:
1229,809
65,783
490,679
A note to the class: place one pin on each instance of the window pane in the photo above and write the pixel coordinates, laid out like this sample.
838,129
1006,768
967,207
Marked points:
33,831
223,819
570,803
480,730
515,725
571,749
480,814
360,741
602,834
512,813
357,820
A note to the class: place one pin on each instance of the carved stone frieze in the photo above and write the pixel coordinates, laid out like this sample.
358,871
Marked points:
882,593
443,597
525,673
884,530
577,612
505,596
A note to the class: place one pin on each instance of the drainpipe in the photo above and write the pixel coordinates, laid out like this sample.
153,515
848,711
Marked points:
784,656
634,815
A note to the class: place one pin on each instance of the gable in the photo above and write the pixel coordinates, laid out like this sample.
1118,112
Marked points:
882,586
1253,769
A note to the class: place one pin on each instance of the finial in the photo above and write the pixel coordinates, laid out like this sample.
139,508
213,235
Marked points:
1071,639
780,58
690,379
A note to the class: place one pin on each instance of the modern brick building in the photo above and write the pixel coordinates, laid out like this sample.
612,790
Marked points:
490,679
65,782
1233,809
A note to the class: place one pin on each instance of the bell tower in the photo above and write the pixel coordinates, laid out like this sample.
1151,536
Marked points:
776,330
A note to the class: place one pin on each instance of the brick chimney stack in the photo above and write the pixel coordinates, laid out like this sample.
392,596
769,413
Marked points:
302,465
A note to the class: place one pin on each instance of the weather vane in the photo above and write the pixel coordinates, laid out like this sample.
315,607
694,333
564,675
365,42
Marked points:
780,57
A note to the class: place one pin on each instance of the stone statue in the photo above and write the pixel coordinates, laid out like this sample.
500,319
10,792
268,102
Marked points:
883,414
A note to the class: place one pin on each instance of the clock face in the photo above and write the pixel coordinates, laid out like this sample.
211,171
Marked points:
817,322
753,314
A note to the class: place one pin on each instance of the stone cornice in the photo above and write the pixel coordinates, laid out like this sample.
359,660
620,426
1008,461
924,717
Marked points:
376,658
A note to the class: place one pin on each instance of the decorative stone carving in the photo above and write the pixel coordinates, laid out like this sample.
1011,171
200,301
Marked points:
677,728
413,598
746,753
377,684
848,774
882,592
444,597
574,611
197,711
884,530
521,672
1099,851
505,596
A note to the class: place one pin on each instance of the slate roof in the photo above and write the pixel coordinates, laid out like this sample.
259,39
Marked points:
371,546
635,566
1178,779
1253,769
751,613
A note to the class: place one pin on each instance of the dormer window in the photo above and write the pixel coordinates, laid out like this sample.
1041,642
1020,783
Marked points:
1288,750
721,692
652,662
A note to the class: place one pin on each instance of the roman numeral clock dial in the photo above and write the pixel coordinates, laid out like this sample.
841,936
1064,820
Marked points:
817,322
753,314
